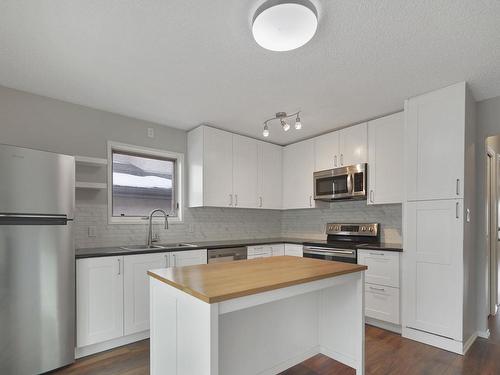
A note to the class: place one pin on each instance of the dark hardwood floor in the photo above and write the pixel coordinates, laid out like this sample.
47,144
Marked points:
386,353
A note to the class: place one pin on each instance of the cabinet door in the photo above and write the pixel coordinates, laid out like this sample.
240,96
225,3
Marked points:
270,176
136,289
298,166
188,258
385,159
99,299
435,143
353,145
218,168
245,176
382,303
278,250
326,151
432,264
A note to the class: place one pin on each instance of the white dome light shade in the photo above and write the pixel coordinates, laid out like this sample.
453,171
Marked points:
283,26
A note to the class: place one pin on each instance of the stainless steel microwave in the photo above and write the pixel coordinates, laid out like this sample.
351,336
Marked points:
340,183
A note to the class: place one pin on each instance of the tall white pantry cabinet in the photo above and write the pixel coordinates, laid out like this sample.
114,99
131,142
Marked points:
438,223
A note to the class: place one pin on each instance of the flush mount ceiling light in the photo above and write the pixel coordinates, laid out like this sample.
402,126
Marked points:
283,25
282,117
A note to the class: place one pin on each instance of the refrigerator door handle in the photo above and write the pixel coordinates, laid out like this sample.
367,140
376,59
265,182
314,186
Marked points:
30,219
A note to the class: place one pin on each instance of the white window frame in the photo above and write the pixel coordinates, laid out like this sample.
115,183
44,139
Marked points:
178,181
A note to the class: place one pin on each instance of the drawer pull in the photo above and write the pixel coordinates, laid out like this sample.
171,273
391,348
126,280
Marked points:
379,289
379,254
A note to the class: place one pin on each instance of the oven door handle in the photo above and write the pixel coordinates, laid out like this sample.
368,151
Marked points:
329,250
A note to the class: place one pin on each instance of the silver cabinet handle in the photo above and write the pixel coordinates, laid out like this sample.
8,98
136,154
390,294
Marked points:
379,254
457,210
119,266
166,260
379,289
260,201
230,199
371,196
458,186
235,200
310,201
335,160
175,260
341,159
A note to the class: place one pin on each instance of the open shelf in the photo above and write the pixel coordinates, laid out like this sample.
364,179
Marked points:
90,185
90,162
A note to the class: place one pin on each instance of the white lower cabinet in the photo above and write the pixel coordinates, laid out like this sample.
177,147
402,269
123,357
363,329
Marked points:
99,302
381,285
112,294
265,251
294,250
382,303
278,249
136,285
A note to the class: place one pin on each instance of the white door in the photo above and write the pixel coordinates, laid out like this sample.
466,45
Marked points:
245,176
188,258
326,151
99,299
432,264
353,145
136,289
218,168
385,159
298,166
435,144
271,176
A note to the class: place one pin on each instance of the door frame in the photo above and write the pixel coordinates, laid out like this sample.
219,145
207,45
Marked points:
491,229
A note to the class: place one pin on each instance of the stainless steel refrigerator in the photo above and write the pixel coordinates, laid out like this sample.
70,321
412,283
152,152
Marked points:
37,261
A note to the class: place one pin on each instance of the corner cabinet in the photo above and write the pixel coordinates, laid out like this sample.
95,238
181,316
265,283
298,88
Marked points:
385,159
112,297
298,168
270,176
223,169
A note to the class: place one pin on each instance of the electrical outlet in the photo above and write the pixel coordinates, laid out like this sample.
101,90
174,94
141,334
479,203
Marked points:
151,133
92,231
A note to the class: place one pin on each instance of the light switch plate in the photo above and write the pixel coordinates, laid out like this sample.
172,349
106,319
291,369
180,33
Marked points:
151,133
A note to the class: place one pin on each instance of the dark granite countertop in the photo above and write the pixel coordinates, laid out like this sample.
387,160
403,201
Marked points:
117,250
383,246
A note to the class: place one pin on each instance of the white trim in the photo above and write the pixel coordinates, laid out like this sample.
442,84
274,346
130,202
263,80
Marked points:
292,361
110,344
469,342
484,334
339,357
179,182
90,161
434,340
396,328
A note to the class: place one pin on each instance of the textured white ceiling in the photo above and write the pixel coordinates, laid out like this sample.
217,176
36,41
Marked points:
186,62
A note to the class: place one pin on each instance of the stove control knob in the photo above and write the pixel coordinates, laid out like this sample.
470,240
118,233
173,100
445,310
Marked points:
363,229
371,229
337,227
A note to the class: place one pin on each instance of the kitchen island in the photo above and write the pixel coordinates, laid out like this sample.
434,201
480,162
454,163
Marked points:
257,316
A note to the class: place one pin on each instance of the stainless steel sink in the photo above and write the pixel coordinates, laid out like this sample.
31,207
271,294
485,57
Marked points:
141,247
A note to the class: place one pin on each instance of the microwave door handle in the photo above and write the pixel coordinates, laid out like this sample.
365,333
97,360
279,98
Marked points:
350,184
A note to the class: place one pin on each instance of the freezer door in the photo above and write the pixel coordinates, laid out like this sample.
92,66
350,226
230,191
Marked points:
36,182
37,296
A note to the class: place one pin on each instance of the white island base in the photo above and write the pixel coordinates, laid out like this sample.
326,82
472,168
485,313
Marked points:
263,333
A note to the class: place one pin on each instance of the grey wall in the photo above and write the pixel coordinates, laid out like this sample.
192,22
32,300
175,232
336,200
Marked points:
488,124
39,122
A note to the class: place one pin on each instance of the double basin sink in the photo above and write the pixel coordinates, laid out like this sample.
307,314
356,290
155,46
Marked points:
157,247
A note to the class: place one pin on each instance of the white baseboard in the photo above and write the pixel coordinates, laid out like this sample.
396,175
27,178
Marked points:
384,325
484,334
106,345
468,343
339,357
434,340
291,362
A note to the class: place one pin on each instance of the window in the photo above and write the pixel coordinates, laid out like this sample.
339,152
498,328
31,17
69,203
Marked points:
142,180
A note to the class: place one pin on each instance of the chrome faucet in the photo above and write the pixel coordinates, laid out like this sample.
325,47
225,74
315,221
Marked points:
150,229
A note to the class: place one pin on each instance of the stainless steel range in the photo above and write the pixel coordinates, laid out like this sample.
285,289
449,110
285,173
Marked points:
342,242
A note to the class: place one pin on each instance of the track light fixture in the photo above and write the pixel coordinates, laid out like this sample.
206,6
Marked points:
282,117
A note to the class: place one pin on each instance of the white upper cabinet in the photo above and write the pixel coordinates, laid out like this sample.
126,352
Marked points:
341,148
270,176
353,145
245,172
435,144
327,151
298,167
210,163
385,159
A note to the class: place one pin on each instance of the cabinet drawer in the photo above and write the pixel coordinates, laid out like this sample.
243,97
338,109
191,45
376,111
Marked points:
383,267
382,302
259,251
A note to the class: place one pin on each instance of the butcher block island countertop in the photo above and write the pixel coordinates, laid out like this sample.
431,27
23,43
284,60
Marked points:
219,282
